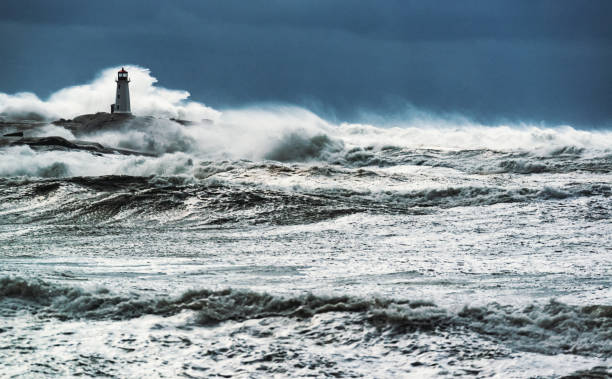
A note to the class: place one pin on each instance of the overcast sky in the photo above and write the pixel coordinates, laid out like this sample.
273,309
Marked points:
530,61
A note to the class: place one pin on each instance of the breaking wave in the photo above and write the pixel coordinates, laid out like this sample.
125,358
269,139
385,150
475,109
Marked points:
168,122
295,147
111,199
550,328
67,159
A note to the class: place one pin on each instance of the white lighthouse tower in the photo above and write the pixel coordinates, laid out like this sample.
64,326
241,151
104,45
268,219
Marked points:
122,99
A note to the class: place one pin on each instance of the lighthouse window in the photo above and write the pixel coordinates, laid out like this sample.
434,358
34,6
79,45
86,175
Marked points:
118,96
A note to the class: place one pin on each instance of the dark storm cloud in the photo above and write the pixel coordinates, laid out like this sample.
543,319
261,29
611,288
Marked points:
491,60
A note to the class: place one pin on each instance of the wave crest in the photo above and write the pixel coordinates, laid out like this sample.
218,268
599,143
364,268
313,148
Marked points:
549,329
180,200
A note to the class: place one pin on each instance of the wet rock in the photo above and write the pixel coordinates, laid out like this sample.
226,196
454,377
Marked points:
59,143
15,134
88,123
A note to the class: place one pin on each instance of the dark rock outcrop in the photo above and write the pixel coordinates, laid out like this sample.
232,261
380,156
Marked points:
89,123
59,143
15,134
20,132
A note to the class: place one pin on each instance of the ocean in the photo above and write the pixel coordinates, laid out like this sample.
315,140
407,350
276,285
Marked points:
273,243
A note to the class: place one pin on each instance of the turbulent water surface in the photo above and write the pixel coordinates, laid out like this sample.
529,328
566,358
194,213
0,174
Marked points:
266,243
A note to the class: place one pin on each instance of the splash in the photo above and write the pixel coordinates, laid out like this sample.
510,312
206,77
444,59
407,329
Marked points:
96,96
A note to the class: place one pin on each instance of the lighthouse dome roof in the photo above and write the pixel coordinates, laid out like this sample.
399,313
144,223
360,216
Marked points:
123,70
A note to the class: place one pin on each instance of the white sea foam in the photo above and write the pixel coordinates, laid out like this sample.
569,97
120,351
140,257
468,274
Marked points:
23,161
442,134
550,328
289,133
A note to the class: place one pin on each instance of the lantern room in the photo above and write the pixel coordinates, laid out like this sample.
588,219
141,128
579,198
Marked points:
122,75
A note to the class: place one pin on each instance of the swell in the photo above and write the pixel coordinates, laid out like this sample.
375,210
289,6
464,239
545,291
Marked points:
550,328
111,199
482,161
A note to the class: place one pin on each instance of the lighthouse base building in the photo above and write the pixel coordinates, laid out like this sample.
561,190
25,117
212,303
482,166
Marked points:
122,97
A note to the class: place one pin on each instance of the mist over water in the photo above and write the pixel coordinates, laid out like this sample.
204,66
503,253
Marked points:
268,132
266,240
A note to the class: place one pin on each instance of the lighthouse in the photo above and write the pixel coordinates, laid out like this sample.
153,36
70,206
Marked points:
122,98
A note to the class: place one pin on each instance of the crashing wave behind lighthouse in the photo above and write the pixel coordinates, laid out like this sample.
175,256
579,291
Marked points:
122,99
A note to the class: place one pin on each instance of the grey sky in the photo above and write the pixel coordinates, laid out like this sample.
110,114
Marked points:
493,61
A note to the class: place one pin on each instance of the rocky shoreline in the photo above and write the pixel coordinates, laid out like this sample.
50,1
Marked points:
18,133
60,143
